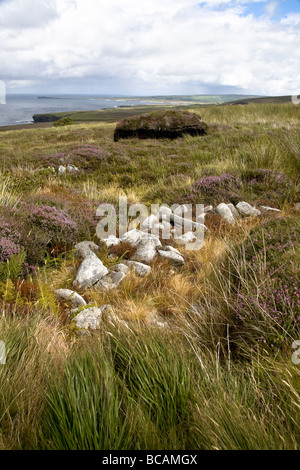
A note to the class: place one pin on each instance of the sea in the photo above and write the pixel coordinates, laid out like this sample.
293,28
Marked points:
19,109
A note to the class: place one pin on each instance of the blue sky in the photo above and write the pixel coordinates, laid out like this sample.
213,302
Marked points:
161,47
281,8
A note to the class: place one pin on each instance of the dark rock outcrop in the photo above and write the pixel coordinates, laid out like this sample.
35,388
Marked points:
45,118
160,124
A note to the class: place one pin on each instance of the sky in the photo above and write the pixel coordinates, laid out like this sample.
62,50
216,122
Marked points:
151,47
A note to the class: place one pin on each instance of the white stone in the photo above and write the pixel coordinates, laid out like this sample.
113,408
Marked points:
188,237
151,222
111,241
75,299
181,210
111,281
146,251
171,248
247,210
233,211
152,237
62,170
223,211
72,168
134,236
83,249
164,213
175,258
90,272
186,224
271,209
89,318
140,269
121,267
201,218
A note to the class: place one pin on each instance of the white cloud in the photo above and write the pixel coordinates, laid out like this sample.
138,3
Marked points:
19,14
271,8
151,47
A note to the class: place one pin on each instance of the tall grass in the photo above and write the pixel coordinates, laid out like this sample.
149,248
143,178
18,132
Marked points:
162,392
8,196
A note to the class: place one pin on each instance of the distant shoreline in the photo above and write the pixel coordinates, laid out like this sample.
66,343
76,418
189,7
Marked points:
18,127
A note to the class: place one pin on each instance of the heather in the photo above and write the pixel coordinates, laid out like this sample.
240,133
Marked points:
190,357
84,156
272,268
211,189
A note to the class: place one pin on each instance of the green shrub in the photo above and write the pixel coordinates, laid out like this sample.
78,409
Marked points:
66,121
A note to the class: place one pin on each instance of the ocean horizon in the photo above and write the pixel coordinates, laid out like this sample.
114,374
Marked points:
20,109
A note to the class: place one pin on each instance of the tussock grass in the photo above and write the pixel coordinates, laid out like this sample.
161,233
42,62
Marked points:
8,196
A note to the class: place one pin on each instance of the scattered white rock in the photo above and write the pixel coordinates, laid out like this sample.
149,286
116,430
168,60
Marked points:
83,249
166,225
186,224
111,241
146,251
175,258
271,209
89,318
75,299
171,248
121,267
247,210
223,211
134,237
62,170
72,168
90,272
151,222
208,209
140,269
188,237
181,210
201,218
112,280
152,237
164,213
233,211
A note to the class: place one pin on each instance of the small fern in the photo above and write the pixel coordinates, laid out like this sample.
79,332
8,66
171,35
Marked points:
11,269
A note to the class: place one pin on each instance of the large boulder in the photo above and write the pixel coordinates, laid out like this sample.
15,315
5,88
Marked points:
160,124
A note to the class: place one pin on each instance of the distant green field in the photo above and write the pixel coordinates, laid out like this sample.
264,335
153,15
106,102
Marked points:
194,102
263,100
104,115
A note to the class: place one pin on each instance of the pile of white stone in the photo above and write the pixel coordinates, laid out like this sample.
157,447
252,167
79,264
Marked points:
63,169
93,273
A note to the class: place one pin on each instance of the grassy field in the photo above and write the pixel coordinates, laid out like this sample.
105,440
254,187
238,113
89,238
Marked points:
220,375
